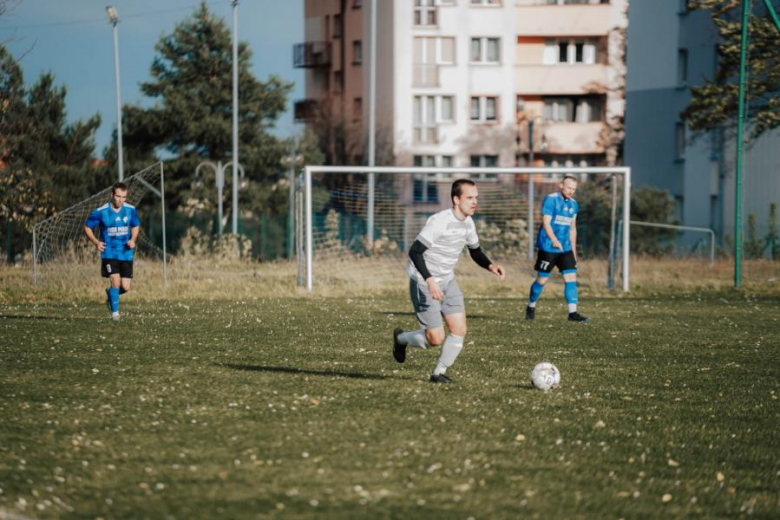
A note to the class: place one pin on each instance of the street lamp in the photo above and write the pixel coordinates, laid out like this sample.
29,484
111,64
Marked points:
531,122
292,160
113,18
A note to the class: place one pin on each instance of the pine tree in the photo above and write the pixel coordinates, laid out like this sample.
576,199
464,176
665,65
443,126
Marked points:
715,104
191,82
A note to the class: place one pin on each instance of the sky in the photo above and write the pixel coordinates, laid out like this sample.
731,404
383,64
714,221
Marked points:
74,40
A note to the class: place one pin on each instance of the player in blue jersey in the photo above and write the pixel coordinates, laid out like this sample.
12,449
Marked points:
557,247
118,234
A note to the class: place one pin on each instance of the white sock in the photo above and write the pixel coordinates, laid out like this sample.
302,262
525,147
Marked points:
572,307
449,353
532,305
414,338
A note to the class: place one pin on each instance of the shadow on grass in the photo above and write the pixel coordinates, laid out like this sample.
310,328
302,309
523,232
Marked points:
19,317
290,370
468,316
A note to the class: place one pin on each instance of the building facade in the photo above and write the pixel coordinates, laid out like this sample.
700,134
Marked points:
471,82
700,174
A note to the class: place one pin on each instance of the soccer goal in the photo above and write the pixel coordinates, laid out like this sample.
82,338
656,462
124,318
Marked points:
355,224
59,244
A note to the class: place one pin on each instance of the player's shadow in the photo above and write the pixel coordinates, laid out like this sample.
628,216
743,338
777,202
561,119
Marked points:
291,370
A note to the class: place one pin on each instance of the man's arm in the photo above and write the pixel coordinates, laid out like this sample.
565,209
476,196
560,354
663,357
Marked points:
101,246
573,236
133,236
416,255
481,259
547,224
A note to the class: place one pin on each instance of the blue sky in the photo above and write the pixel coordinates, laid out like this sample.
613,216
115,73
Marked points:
74,40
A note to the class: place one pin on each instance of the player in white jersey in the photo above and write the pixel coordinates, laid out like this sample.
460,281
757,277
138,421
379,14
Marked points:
432,285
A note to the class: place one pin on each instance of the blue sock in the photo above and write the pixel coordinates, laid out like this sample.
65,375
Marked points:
570,292
536,291
113,294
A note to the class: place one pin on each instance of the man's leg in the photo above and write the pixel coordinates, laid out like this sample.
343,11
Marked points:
113,294
431,331
536,291
452,345
124,286
571,294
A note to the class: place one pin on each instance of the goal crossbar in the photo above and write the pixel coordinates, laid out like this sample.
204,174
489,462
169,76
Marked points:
308,171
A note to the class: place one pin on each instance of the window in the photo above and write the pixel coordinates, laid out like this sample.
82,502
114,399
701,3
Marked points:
429,112
568,2
589,110
357,52
559,110
429,53
569,51
484,161
337,26
357,108
484,109
486,2
569,161
357,4
682,66
485,50
338,81
424,12
425,187
576,109
679,141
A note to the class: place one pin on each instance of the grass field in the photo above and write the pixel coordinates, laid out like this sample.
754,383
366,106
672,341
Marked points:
293,407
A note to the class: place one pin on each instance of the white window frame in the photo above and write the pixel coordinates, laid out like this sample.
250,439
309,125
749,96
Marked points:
482,118
424,7
552,56
437,41
422,125
485,3
483,50
439,161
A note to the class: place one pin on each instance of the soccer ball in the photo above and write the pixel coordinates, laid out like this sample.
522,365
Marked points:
545,376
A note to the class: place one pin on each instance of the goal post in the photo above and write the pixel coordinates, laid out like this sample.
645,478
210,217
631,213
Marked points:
59,240
337,196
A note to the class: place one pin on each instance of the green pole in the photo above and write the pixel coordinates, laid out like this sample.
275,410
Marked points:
740,117
772,12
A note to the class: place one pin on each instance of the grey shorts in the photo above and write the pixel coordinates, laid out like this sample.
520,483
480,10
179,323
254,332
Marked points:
430,311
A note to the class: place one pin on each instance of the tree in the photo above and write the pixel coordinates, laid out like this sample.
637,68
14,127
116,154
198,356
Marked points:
715,104
192,117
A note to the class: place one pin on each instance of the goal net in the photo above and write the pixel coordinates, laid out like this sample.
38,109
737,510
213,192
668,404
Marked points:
60,248
352,229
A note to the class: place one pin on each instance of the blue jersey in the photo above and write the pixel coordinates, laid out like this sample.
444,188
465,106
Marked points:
562,212
115,226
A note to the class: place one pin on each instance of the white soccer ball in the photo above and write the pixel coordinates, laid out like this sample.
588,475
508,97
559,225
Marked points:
545,376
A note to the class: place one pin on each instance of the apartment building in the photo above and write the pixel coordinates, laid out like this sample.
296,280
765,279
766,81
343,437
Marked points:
700,175
473,82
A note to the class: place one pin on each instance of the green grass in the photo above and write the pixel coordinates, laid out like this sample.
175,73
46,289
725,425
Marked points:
294,407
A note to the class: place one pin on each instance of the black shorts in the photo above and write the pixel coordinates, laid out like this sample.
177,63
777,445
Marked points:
545,261
123,268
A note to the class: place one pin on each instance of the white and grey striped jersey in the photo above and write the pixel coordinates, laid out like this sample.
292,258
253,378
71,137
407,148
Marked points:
444,235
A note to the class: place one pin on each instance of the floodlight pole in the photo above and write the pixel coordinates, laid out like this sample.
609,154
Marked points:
531,191
738,177
372,124
114,19
234,3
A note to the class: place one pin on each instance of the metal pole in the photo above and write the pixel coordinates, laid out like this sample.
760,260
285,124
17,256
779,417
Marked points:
291,214
613,218
309,255
35,255
299,226
683,228
372,124
531,192
773,13
626,227
220,173
740,117
120,156
165,243
235,117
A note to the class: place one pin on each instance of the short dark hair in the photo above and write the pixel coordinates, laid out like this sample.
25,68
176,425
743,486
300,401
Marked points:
457,189
119,186
569,176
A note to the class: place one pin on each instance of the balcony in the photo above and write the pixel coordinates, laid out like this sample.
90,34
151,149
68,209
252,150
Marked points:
311,54
562,78
425,75
305,110
564,20
574,138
